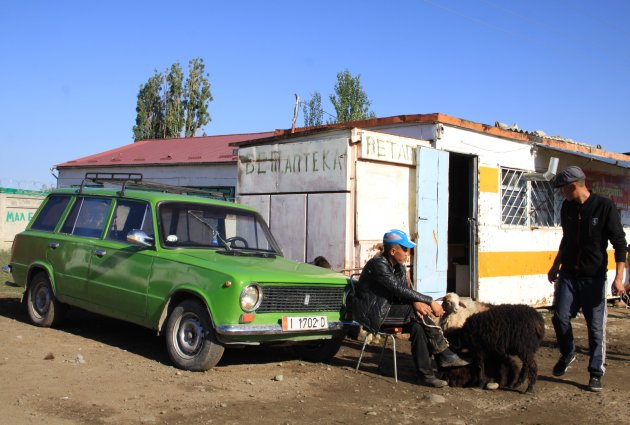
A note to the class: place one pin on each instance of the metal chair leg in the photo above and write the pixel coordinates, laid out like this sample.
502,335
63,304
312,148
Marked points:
394,354
361,355
380,358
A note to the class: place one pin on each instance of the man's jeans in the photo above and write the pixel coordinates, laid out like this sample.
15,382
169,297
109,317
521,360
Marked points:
571,294
426,338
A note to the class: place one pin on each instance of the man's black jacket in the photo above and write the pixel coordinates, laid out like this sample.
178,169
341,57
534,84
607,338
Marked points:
586,230
379,286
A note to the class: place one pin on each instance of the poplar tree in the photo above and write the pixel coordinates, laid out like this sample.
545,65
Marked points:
168,108
313,112
350,100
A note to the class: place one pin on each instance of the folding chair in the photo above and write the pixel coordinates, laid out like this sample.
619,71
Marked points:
391,327
386,331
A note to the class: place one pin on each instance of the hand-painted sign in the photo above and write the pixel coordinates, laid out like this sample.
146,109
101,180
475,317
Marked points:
390,148
294,167
19,216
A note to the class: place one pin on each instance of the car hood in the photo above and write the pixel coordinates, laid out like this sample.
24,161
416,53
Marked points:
258,269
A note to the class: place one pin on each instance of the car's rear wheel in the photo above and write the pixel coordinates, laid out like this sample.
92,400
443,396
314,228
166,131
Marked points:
42,306
190,338
319,351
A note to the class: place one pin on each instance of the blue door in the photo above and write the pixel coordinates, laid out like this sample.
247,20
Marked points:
432,221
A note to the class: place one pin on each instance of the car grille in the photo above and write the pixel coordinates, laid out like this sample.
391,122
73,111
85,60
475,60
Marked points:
300,298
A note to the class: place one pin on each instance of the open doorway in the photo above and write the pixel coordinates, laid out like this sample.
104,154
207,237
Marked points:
462,219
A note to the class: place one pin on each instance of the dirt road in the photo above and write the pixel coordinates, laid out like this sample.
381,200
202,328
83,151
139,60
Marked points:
95,370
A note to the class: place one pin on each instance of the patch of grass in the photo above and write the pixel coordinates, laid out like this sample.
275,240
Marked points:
5,257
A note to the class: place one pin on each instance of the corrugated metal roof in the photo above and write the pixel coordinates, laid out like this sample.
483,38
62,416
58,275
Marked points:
589,155
205,149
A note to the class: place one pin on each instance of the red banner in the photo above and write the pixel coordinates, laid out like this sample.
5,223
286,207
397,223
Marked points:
617,188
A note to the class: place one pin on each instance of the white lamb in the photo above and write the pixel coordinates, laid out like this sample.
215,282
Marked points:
456,311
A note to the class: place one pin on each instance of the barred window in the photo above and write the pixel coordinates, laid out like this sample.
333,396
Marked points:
523,203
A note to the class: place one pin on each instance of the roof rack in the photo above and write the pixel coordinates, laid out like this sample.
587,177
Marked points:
135,180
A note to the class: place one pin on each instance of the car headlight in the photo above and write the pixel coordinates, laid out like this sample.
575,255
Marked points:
251,297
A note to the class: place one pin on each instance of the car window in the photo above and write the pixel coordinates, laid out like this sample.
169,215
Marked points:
87,217
209,226
130,215
51,212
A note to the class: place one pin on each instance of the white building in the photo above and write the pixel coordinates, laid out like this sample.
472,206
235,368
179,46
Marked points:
457,187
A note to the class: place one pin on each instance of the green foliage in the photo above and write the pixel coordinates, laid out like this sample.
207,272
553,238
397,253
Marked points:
313,112
150,114
173,103
350,101
166,108
196,97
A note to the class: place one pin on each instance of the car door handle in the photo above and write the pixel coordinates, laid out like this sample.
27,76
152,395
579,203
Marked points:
100,252
53,245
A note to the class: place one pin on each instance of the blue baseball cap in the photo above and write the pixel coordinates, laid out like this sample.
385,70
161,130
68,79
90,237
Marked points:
397,237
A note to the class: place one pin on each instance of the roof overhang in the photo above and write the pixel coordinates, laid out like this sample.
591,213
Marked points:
589,155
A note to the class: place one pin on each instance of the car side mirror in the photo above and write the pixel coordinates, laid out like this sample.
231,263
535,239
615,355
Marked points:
138,237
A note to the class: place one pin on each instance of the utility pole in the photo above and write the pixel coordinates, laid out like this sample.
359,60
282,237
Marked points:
295,112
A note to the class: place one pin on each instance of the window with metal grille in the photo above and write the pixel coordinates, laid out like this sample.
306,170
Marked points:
528,203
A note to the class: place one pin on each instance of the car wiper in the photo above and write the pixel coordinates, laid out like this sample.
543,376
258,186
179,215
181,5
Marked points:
215,234
239,253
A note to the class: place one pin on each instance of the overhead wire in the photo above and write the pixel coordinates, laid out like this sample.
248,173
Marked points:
303,103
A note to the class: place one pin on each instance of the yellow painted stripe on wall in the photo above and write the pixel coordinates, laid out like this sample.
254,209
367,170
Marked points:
489,179
496,264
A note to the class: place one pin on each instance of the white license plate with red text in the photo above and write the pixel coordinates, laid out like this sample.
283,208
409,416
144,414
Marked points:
304,323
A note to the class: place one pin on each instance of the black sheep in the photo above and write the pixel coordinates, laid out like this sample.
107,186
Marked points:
491,337
503,372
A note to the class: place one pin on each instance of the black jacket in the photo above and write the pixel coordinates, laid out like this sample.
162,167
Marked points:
586,230
379,286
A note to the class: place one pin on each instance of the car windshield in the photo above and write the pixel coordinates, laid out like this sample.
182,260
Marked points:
193,225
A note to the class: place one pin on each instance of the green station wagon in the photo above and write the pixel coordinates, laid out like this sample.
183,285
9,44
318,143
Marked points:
203,272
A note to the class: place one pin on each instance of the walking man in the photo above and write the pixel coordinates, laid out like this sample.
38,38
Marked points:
580,268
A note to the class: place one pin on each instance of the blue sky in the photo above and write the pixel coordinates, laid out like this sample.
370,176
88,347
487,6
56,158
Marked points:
70,70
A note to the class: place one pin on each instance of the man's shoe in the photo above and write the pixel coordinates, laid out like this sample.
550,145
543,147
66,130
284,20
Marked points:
449,359
562,365
595,383
432,381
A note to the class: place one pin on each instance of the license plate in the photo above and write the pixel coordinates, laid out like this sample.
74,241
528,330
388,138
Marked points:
304,323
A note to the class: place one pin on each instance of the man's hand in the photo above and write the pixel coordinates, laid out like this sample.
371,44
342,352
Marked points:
422,309
438,311
552,275
617,287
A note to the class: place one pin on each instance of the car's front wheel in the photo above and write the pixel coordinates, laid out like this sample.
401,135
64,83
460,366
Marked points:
190,339
43,308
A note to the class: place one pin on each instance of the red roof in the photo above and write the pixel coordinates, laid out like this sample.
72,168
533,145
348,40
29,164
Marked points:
205,149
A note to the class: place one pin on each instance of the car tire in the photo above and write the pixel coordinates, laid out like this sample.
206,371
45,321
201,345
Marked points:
319,351
43,308
190,338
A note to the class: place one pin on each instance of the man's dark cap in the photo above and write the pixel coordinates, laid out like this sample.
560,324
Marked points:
567,176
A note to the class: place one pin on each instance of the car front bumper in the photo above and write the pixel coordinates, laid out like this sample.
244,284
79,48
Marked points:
274,329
